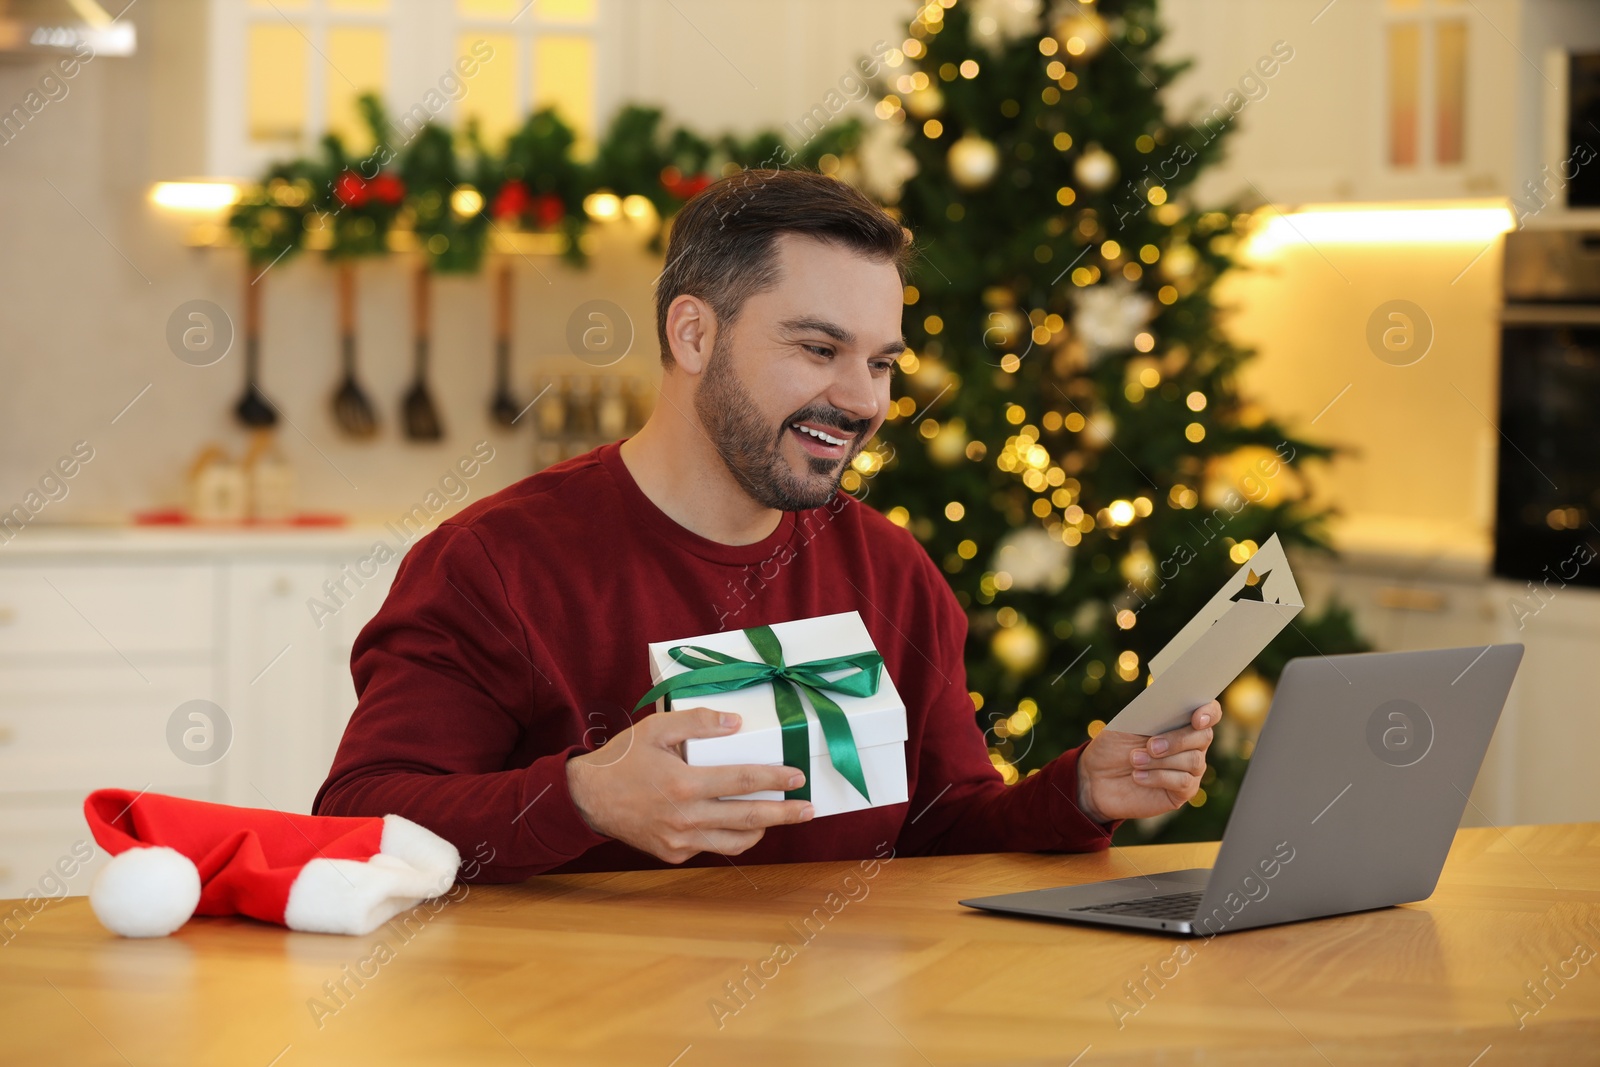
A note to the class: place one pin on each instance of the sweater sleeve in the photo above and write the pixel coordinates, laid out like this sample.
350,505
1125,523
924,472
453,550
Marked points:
444,683
961,803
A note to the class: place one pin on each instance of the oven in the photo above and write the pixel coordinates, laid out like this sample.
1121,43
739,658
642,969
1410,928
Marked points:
1547,495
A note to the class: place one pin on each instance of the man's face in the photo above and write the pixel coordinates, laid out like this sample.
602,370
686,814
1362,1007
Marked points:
811,356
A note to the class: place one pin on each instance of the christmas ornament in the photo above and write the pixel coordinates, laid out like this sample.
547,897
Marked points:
932,375
925,103
948,447
881,165
1179,261
1139,566
1109,316
1100,431
173,858
1096,168
1000,22
1081,30
1034,559
1246,701
1004,329
1019,647
973,161
1256,473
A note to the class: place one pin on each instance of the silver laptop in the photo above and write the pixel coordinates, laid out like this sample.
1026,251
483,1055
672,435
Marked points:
1351,801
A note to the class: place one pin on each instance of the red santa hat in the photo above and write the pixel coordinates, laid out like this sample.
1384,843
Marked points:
174,858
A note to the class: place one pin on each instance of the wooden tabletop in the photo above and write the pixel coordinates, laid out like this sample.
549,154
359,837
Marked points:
832,963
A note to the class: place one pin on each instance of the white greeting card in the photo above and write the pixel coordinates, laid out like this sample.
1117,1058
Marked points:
1215,646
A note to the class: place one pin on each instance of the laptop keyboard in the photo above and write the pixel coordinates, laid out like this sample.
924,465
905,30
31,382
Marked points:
1167,906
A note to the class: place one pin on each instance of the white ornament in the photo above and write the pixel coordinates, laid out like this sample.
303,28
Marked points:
973,161
924,103
1034,559
1109,317
1096,169
1000,22
882,162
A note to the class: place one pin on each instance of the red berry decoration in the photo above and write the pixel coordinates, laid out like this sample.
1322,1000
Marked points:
350,189
548,210
387,189
673,181
511,201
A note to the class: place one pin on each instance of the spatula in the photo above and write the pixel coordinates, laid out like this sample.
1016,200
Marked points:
253,408
352,409
503,407
421,416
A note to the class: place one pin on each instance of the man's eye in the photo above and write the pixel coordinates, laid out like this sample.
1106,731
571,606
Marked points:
821,350
886,367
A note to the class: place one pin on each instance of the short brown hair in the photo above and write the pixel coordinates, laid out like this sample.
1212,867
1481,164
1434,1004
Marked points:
721,248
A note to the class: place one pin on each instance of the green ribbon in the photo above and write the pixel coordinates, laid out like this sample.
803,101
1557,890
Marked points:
716,672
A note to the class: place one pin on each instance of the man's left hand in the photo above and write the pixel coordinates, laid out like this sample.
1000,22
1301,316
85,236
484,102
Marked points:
1131,776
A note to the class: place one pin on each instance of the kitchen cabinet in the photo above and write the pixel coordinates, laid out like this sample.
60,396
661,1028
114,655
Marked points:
112,641
1382,100
1536,769
1552,721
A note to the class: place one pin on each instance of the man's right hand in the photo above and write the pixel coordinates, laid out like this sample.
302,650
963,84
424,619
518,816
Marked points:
637,789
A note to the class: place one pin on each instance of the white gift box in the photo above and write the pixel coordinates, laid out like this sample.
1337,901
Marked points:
878,722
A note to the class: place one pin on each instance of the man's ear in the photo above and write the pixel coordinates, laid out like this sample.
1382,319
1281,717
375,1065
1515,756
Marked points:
691,332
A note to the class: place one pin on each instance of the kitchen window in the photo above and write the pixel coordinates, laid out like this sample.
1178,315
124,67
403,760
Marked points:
285,72
1425,51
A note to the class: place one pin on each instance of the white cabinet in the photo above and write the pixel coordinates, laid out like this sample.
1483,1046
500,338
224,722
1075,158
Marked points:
1382,100
178,662
1553,718
1537,769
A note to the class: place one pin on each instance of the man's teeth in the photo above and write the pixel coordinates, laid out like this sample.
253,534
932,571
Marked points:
819,435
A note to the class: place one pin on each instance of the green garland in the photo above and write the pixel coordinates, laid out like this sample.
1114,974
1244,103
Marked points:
454,192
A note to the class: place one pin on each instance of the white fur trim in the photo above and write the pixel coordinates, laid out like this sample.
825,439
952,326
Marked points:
351,897
422,849
145,892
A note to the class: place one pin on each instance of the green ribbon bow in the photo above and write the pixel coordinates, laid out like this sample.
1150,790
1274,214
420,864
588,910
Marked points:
716,672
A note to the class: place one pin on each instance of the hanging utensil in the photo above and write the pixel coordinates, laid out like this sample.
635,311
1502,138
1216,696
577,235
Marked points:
503,407
421,415
352,409
253,408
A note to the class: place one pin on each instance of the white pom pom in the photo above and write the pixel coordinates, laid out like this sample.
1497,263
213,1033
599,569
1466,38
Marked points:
145,892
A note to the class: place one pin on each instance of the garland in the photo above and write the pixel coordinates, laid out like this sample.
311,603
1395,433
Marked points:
452,191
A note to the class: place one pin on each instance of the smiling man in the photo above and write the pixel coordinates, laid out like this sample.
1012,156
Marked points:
495,684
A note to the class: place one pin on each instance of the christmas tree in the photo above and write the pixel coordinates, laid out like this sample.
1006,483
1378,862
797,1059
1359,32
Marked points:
1069,440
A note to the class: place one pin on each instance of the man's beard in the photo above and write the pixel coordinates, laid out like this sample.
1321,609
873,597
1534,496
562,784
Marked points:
752,451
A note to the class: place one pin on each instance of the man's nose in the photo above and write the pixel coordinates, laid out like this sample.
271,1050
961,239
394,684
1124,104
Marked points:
855,393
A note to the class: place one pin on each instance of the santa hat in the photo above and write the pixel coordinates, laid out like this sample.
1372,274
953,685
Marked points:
173,858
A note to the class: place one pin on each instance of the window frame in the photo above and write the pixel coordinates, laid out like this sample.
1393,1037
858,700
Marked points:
422,36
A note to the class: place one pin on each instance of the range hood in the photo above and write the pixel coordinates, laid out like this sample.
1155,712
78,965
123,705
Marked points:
63,27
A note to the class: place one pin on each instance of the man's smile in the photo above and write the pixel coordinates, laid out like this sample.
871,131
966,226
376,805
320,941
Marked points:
822,440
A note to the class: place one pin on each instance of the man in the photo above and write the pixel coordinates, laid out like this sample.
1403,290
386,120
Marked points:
497,681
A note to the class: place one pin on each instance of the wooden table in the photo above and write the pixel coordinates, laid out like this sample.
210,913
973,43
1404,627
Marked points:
680,969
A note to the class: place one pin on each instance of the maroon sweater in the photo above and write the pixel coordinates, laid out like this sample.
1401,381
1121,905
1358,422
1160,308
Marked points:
514,638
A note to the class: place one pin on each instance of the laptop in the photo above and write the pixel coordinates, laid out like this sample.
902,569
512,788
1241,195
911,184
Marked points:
1351,801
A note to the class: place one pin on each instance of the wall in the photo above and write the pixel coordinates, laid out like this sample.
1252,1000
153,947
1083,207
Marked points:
92,273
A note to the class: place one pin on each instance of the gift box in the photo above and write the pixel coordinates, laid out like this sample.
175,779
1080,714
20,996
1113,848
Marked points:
811,693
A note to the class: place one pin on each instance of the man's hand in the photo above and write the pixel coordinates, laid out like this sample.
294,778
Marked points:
1130,776
638,790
